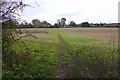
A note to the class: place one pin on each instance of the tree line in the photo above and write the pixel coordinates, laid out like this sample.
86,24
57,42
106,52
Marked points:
61,23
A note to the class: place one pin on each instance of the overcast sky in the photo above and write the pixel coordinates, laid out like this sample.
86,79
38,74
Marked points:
93,11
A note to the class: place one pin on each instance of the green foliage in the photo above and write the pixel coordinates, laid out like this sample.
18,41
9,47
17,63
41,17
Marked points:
56,25
36,23
85,24
72,24
93,62
32,58
29,61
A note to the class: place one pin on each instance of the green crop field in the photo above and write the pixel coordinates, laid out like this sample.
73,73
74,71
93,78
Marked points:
63,54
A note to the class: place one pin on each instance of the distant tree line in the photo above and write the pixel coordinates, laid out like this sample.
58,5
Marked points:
61,23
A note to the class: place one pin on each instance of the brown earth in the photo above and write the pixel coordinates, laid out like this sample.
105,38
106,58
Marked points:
109,34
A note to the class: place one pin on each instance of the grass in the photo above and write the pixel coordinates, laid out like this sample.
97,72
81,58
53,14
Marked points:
90,58
77,57
93,62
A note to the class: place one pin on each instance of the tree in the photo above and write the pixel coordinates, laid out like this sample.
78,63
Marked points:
11,60
22,25
85,24
36,23
101,24
56,25
30,25
72,24
62,23
45,24
9,24
10,15
9,9
25,24
58,22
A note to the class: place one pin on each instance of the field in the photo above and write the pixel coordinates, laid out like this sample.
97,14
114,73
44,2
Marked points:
67,53
108,34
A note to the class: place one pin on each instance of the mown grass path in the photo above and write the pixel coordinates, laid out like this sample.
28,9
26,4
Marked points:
62,48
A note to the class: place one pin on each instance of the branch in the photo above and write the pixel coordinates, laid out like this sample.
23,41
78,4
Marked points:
9,10
17,40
